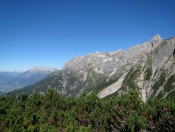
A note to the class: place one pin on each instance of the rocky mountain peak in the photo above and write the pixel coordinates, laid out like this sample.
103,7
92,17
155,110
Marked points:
101,61
156,38
41,68
148,67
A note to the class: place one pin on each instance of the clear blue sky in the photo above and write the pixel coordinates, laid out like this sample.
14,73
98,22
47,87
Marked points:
50,32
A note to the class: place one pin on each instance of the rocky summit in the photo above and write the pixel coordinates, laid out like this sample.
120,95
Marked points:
148,67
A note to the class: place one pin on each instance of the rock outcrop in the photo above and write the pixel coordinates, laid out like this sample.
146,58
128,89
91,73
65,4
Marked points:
148,67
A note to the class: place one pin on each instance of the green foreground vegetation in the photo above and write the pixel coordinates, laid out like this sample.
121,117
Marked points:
53,112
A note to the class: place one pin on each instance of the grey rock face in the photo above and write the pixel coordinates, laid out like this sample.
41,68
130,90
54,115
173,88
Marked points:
154,75
149,67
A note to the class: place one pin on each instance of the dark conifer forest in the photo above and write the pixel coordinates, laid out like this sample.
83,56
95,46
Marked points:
55,113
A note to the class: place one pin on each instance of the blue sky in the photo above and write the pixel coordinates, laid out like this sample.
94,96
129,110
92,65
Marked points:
50,32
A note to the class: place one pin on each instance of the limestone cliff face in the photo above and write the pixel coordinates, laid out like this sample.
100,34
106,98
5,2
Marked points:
149,67
154,75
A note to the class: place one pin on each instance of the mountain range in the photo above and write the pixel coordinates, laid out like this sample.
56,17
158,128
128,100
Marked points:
147,67
14,80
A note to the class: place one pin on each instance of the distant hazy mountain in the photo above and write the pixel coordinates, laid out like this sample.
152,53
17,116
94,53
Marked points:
148,67
1,93
5,76
13,80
